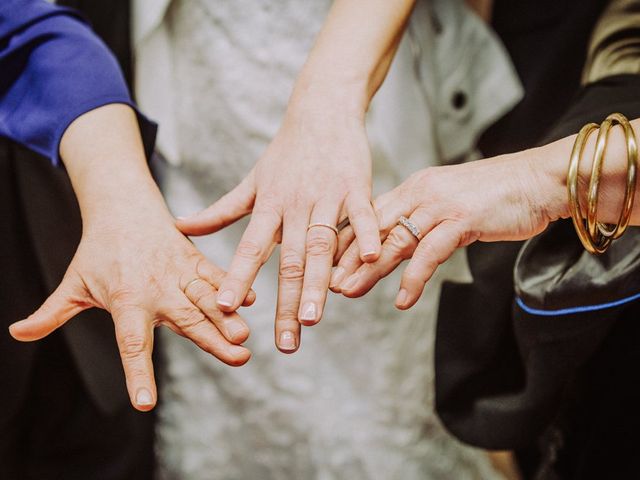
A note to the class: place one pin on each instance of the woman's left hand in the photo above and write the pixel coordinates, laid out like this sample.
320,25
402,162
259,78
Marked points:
317,166
503,198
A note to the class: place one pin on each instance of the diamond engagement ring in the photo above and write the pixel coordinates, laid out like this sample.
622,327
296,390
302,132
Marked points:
409,225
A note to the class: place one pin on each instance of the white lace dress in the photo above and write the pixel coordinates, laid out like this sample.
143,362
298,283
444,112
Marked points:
356,402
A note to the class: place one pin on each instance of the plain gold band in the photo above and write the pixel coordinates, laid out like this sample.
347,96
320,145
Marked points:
325,225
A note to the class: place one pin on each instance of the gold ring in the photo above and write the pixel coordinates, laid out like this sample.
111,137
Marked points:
325,225
186,287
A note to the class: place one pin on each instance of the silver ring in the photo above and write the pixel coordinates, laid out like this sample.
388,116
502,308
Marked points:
326,225
186,287
409,225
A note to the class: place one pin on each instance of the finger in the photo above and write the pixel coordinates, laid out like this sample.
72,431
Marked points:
254,249
432,251
345,238
134,334
195,326
365,225
349,263
290,277
214,275
321,244
68,300
204,296
387,213
398,246
228,209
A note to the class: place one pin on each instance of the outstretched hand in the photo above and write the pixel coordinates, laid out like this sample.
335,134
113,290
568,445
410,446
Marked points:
316,167
452,206
132,261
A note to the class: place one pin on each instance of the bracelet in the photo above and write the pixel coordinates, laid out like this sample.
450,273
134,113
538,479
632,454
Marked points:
596,237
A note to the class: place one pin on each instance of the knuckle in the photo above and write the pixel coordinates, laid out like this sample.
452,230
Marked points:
189,318
397,244
249,249
291,266
361,213
123,297
319,245
287,313
198,292
132,346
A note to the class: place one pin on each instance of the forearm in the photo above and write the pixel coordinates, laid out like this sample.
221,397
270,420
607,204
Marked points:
353,51
103,154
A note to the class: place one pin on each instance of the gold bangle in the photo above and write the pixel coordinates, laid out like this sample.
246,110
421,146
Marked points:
596,228
596,237
600,244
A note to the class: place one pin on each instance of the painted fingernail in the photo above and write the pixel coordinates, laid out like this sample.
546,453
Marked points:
350,282
234,329
309,312
287,341
402,297
337,276
144,398
226,298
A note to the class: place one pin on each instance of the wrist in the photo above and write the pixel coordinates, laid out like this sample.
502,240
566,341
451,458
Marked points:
344,94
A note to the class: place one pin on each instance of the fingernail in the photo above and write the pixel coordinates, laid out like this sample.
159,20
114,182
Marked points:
226,298
287,341
236,350
368,255
337,276
143,397
180,218
234,329
309,312
351,282
401,299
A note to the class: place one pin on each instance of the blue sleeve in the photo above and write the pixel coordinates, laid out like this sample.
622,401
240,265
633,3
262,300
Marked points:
53,68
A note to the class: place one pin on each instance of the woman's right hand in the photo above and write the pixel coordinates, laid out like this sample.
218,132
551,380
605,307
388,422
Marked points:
504,198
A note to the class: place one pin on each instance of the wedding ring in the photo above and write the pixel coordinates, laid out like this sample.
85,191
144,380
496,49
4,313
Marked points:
192,282
325,225
409,225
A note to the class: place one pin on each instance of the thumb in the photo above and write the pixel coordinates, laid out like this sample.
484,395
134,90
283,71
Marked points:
64,303
228,209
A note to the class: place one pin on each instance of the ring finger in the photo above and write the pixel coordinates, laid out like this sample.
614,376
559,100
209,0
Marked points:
398,246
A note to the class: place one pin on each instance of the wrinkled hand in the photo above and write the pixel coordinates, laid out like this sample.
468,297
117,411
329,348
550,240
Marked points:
143,271
317,166
452,206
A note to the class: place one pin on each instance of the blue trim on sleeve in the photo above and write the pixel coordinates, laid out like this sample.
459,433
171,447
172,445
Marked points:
579,309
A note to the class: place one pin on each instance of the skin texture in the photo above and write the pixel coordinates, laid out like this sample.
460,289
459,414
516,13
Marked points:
511,197
132,261
316,170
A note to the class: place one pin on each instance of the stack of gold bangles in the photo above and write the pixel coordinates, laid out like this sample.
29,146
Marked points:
596,236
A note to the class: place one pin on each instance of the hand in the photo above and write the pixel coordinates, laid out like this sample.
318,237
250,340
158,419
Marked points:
132,261
143,271
317,166
498,199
